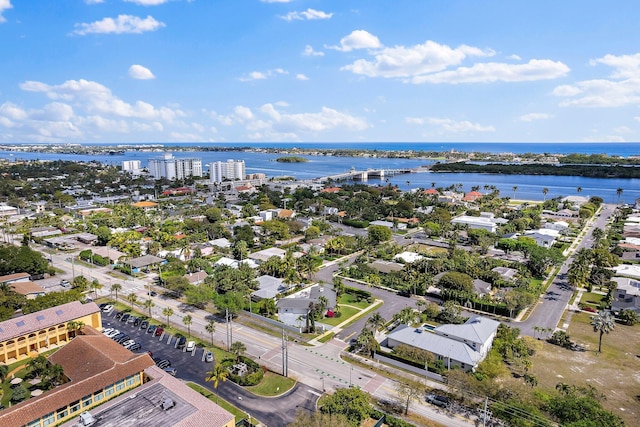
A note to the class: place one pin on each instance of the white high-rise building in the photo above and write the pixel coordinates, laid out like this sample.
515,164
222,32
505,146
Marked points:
131,166
230,170
172,168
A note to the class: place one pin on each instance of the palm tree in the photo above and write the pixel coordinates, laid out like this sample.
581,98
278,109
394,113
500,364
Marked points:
216,375
187,320
545,191
149,304
515,189
95,287
53,375
4,371
238,348
211,328
74,326
619,192
115,288
376,321
602,323
133,299
167,311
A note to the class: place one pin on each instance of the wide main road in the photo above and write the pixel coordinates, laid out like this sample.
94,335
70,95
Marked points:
548,311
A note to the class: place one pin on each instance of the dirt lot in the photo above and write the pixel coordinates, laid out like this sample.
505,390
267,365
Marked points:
615,372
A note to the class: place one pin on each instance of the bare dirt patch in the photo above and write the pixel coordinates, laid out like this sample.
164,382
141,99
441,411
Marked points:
615,372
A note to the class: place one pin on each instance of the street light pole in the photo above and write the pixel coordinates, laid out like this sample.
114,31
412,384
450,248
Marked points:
350,375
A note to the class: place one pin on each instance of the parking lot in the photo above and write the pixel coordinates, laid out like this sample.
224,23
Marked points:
189,365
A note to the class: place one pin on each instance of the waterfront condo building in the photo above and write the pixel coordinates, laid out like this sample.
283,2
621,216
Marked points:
131,166
230,170
171,168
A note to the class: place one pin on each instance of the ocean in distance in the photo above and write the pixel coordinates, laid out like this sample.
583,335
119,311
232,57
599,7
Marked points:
529,187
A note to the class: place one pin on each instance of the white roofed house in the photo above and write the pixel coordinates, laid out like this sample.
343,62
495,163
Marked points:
464,345
544,237
486,221
626,295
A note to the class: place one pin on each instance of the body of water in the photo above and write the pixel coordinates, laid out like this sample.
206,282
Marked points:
529,187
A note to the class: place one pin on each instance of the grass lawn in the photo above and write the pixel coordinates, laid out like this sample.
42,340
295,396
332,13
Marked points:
345,313
591,298
350,299
615,372
221,402
272,385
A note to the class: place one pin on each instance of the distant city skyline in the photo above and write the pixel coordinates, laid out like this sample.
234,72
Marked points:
319,71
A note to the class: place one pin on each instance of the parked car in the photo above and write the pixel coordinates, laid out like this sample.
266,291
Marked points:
108,308
191,345
158,331
128,343
117,336
208,357
171,371
125,338
151,329
105,331
118,315
152,293
144,325
132,319
135,347
137,322
103,305
181,341
65,283
165,363
125,317
150,353
437,400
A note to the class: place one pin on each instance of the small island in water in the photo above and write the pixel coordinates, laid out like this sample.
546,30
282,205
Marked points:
292,159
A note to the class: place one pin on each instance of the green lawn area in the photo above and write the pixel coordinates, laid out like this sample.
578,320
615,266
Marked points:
345,313
272,385
350,299
221,402
591,298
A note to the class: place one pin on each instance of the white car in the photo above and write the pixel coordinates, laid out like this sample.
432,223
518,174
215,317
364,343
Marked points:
107,309
107,330
112,333
191,345
131,344
126,343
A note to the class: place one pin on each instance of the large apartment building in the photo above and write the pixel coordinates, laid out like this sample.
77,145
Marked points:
230,170
171,168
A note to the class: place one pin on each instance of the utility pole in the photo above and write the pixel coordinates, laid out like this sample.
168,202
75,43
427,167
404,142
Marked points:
285,355
228,329
485,415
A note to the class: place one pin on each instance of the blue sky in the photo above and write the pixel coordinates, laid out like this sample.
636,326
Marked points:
313,70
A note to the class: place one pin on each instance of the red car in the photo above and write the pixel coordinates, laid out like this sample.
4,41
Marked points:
159,331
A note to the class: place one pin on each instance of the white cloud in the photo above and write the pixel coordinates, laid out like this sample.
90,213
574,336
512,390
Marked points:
301,76
260,75
414,120
140,73
308,51
452,126
637,118
535,116
93,1
309,14
123,24
605,138
401,61
623,129
147,2
515,57
12,111
622,88
487,72
4,5
358,39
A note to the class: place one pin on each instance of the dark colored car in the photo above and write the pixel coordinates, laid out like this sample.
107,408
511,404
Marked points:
151,329
164,364
125,317
437,400
181,341
152,293
135,347
118,315
150,353
137,322
158,331
103,305
123,339
118,336
144,325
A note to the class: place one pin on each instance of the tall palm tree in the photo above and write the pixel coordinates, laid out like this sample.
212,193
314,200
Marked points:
619,192
115,288
376,321
4,371
149,304
602,323
238,348
74,326
95,287
167,311
132,298
515,189
545,191
187,320
217,375
211,328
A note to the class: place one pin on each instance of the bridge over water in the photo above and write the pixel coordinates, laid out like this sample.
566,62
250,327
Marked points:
364,175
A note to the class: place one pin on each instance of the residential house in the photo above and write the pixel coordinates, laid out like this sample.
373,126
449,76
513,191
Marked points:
560,226
389,224
139,264
292,307
485,221
196,278
265,254
464,345
408,257
627,270
269,287
626,295
544,237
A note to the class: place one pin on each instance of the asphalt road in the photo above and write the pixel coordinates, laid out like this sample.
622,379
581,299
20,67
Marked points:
548,311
